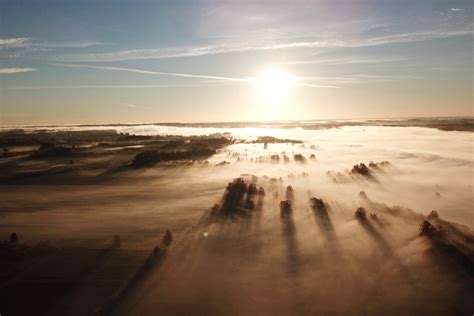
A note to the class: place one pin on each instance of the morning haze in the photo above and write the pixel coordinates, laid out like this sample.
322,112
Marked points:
236,158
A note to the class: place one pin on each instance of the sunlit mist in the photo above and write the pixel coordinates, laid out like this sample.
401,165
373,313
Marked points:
236,158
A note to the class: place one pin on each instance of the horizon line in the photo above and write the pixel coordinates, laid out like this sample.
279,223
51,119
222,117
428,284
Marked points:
171,123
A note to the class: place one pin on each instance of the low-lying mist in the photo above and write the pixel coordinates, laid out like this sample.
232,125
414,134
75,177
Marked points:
346,242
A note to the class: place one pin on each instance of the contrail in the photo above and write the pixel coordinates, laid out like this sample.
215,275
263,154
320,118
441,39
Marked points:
173,74
185,75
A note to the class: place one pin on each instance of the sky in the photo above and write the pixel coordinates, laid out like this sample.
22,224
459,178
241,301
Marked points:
77,62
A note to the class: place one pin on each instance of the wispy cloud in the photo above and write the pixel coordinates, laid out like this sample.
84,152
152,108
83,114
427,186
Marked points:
136,107
131,86
162,53
359,79
414,37
456,9
15,70
13,41
70,44
7,44
13,48
347,60
194,51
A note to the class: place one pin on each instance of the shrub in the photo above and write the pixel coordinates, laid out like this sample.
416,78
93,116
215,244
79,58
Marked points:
299,158
426,229
361,214
360,169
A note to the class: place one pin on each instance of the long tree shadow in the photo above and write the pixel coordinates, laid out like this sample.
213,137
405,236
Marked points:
361,216
259,208
138,280
321,215
289,235
320,212
450,246
388,253
239,216
383,245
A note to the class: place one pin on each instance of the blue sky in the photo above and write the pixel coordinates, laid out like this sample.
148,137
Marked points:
188,61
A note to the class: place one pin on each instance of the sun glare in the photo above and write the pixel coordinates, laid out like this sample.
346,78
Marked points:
273,85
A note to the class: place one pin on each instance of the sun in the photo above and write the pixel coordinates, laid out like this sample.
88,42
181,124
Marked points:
273,85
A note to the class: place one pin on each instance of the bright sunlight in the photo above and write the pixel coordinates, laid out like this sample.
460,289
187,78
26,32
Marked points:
273,85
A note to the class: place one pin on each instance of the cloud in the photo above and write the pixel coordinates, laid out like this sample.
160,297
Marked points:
28,42
136,107
358,79
161,53
101,87
13,48
414,37
347,60
194,51
15,70
70,44
456,9
13,41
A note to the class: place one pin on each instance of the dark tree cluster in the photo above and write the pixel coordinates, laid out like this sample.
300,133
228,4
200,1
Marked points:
132,138
432,215
375,165
233,196
149,158
240,198
427,229
318,204
146,159
285,209
450,242
208,142
198,147
299,158
274,140
361,214
251,192
358,171
361,169
19,137
290,194
275,158
52,150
